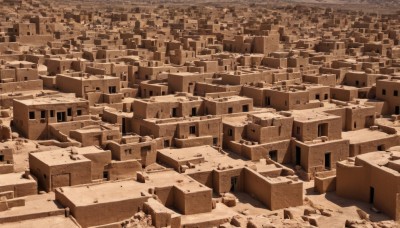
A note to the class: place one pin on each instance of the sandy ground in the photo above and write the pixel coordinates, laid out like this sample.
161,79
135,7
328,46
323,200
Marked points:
340,209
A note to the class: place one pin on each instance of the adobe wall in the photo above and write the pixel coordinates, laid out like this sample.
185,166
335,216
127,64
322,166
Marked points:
119,170
373,144
189,203
203,177
276,130
21,190
386,184
108,212
257,186
313,155
222,180
13,87
165,195
99,161
352,181
198,141
79,173
39,169
309,130
343,94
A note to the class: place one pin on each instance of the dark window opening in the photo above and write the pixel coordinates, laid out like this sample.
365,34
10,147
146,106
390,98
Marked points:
124,125
150,93
298,155
32,115
381,147
357,83
298,130
383,91
316,96
326,97
194,111
79,112
245,108
1,158
112,89
69,112
192,130
215,141
273,154
355,124
42,114
230,132
327,161
166,143
396,93
230,110
322,129
97,88
61,117
174,112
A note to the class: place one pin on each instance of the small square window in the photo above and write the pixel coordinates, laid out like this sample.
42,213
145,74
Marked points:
31,115
79,112
396,93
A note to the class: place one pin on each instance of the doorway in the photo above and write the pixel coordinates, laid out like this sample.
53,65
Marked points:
273,154
328,161
234,183
371,195
267,101
105,176
123,126
298,155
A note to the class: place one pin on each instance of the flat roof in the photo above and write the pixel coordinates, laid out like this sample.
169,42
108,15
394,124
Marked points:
206,158
105,192
172,98
310,115
364,135
129,189
229,99
52,221
55,99
59,157
14,179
